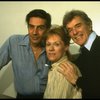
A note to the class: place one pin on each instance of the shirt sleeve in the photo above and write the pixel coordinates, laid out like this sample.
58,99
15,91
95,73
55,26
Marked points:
5,53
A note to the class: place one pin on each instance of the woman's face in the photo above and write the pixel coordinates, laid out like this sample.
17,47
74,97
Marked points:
55,48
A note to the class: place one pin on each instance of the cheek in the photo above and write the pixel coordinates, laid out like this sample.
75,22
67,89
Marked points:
61,52
41,34
58,55
30,30
71,34
85,37
47,49
30,33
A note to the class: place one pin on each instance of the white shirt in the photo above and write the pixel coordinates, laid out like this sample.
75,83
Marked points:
58,86
90,40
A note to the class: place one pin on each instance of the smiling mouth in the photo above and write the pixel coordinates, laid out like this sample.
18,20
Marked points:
51,54
35,38
78,36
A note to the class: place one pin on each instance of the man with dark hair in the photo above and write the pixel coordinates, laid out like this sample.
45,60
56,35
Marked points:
28,56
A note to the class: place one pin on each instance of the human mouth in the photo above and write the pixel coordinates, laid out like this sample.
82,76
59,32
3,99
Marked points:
78,37
35,38
51,54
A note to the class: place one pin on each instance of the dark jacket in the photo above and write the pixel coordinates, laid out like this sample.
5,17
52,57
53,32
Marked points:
89,65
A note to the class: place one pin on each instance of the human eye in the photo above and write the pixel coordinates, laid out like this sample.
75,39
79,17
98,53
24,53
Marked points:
78,25
41,27
69,30
47,44
57,44
31,26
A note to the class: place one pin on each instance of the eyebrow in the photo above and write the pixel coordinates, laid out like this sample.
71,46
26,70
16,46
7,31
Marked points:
75,25
35,25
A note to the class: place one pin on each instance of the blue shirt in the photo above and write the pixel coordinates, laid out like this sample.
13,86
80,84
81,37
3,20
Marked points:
29,76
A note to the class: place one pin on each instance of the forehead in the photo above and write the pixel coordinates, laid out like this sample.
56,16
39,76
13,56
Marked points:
74,21
37,21
54,37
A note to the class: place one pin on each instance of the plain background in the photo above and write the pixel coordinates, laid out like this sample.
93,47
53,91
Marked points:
12,21
12,14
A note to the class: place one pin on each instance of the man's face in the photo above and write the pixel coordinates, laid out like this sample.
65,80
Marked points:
36,29
78,30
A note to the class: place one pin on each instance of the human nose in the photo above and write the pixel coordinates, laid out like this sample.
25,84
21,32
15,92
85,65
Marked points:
74,30
51,47
35,31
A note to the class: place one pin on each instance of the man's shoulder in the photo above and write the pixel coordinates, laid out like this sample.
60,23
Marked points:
97,41
17,37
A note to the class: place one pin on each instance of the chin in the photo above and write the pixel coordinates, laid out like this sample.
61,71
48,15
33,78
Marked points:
52,60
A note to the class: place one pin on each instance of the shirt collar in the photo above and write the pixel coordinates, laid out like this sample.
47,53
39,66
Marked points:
90,40
62,59
25,42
